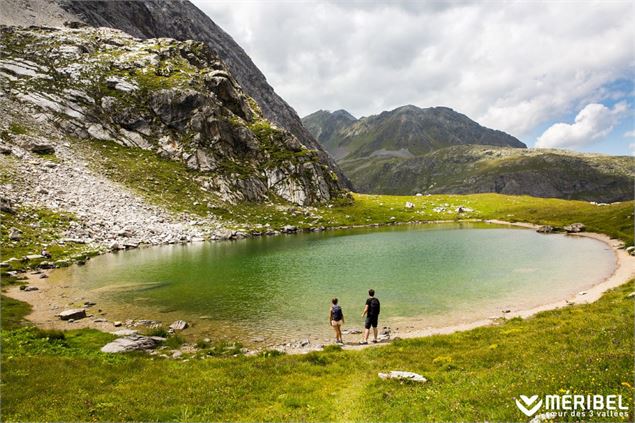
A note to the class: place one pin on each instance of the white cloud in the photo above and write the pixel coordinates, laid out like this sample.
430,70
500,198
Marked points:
511,66
629,134
594,122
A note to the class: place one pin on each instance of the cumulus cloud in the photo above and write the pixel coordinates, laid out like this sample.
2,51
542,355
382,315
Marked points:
594,122
511,66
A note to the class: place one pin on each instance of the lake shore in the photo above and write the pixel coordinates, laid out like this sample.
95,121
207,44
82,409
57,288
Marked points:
49,299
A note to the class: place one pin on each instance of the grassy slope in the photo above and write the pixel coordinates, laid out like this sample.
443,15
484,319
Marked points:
464,168
474,375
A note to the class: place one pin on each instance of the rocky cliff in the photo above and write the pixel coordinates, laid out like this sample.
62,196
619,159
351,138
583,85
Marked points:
178,19
177,99
403,132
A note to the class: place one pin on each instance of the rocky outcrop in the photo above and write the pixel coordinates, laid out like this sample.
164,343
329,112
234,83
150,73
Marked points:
178,19
174,98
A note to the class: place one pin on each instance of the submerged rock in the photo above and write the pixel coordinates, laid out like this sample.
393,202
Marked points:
74,313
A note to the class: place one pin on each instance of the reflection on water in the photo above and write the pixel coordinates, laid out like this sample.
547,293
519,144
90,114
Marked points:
280,287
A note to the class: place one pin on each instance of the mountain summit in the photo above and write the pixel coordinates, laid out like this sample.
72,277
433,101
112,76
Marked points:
406,131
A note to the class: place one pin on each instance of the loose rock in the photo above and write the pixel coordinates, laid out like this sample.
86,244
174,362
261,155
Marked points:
179,325
402,375
75,313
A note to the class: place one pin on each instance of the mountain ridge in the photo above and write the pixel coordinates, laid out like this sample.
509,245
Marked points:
177,19
388,160
405,128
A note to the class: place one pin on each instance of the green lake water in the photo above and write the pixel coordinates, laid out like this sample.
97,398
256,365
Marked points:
280,287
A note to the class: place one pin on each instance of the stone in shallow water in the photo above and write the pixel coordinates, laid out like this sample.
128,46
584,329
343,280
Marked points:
130,343
401,375
74,313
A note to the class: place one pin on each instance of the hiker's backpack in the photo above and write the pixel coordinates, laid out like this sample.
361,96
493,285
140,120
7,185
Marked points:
337,313
373,307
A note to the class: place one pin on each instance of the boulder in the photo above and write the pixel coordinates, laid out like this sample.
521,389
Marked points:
30,288
6,206
402,375
179,325
631,250
130,343
41,148
410,205
15,234
125,332
574,228
74,313
545,229
289,229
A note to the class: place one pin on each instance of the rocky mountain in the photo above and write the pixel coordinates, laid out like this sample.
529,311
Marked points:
404,132
173,98
178,19
437,150
477,169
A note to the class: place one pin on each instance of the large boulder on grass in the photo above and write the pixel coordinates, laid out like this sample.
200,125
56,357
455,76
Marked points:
130,343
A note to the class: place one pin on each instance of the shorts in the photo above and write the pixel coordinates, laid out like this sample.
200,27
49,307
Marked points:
336,323
371,321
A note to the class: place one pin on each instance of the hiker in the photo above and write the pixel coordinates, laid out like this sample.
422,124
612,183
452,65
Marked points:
371,311
336,317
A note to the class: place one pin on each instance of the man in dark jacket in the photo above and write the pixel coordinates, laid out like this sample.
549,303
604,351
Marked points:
371,311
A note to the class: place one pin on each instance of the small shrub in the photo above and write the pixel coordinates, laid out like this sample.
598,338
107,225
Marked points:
174,341
445,362
271,353
224,348
202,344
316,358
18,129
332,348
160,331
50,334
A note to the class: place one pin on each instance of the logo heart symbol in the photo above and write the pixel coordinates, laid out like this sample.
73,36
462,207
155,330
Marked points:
528,401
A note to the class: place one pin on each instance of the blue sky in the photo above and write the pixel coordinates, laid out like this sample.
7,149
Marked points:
553,74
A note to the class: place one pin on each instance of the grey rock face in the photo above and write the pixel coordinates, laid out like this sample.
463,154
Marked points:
174,98
178,19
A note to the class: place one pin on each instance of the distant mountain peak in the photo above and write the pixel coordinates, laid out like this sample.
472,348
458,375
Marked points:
405,128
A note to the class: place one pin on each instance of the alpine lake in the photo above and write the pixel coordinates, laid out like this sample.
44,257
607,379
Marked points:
279,289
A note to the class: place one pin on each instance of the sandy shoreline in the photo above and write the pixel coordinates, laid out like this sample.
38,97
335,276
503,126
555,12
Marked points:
50,299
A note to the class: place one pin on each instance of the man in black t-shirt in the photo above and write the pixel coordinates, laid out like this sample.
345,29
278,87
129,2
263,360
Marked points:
371,311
